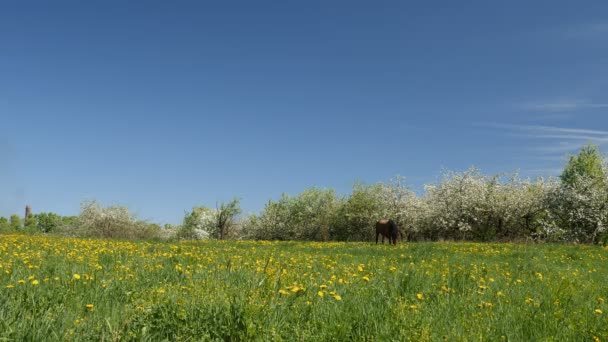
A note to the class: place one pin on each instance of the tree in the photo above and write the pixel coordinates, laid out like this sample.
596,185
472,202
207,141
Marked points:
30,224
4,225
274,222
217,223
578,208
588,163
15,223
226,218
400,203
48,222
112,222
195,225
357,215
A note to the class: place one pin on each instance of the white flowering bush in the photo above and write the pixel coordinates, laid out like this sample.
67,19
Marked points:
205,223
463,205
113,221
307,216
578,212
470,205
457,205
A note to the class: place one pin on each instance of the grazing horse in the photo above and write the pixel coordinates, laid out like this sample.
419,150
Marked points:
389,229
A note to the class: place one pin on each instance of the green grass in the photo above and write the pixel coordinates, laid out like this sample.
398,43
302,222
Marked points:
241,290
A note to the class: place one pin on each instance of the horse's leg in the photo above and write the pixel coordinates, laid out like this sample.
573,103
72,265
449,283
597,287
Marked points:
377,237
383,239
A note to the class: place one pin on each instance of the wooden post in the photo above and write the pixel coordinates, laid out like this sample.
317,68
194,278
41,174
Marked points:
28,211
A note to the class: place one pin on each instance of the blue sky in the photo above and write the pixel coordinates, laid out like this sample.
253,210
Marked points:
161,106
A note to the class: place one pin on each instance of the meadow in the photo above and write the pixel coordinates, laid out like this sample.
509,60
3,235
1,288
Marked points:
55,288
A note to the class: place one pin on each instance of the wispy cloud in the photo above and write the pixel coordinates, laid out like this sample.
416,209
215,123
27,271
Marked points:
556,140
563,106
540,129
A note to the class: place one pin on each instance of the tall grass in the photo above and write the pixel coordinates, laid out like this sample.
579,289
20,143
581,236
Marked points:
77,289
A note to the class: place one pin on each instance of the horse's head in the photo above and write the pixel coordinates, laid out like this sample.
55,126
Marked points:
394,231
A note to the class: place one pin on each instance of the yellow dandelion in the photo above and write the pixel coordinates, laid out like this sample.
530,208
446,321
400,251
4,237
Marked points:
597,311
323,287
10,286
21,281
420,296
283,292
297,289
337,297
321,293
76,276
485,305
35,282
366,278
89,306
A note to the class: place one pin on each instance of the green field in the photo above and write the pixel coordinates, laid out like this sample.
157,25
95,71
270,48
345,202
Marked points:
77,289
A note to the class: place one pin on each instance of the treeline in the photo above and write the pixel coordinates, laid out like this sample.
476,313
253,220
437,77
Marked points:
462,206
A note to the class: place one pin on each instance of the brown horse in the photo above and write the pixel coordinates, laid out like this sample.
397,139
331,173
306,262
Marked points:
388,228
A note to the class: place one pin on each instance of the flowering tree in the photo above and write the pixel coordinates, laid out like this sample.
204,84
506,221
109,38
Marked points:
578,211
114,221
202,222
398,202
273,223
456,206
307,216
578,208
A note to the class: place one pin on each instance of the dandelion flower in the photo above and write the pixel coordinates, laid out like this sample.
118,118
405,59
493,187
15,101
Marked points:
89,306
420,296
35,282
297,289
76,276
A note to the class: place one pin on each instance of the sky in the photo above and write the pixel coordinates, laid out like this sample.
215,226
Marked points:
162,106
